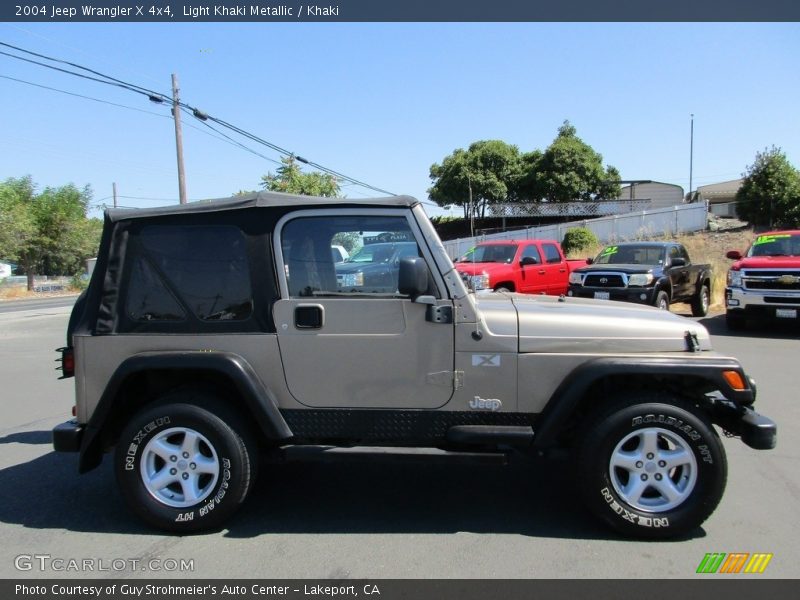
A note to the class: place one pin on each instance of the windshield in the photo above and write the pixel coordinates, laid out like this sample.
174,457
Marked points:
491,253
631,255
777,244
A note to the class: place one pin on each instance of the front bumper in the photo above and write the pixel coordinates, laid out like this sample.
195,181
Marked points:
767,304
67,437
639,295
756,430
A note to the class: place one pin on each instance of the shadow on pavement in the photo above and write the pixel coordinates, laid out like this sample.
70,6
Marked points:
28,437
787,330
530,497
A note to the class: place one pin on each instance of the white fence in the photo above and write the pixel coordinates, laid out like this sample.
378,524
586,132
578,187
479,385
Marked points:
668,222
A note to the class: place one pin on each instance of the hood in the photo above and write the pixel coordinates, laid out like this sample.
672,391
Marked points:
768,262
580,325
629,269
355,267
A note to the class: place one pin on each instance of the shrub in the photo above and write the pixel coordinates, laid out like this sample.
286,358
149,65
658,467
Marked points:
577,239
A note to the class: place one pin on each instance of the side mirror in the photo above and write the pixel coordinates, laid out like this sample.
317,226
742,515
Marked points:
734,255
412,280
527,260
590,261
678,262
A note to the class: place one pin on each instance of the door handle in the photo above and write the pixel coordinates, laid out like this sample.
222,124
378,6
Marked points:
309,316
542,271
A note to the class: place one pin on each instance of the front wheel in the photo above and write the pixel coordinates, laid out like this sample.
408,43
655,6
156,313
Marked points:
184,467
652,469
662,300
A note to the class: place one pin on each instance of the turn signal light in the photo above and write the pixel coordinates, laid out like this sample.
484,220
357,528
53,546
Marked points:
735,380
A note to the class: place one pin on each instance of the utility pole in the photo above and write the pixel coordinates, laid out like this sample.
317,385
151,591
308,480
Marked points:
691,155
176,113
114,191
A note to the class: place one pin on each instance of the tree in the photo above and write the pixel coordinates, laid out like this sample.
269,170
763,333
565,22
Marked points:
48,232
770,192
487,172
289,179
570,170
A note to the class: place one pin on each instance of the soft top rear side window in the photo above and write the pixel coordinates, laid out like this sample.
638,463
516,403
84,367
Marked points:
204,268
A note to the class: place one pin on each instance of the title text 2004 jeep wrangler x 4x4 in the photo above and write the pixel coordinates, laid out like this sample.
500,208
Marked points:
208,333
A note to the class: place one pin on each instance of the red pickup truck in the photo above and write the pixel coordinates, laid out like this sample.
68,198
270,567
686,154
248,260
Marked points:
525,266
764,282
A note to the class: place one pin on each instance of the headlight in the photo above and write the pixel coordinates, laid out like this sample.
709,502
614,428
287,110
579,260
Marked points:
576,278
734,278
479,282
354,280
640,279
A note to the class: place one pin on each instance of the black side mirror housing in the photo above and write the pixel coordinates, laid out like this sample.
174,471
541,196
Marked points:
528,260
678,262
412,280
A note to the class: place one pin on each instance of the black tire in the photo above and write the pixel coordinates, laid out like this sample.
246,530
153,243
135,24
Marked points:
223,445
734,321
701,301
662,300
502,288
634,426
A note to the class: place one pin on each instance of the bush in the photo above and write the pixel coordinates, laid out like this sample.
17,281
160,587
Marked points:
577,239
79,282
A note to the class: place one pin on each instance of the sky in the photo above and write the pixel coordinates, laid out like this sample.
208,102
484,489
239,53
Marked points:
382,102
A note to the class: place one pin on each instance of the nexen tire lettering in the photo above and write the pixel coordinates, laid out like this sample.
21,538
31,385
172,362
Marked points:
631,517
130,457
668,421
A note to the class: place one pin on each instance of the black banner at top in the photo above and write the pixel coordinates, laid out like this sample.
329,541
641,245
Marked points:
398,10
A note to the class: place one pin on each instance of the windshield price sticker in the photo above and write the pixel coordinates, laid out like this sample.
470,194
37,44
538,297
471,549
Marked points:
766,239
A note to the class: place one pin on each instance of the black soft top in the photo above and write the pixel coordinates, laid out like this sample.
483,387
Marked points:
260,199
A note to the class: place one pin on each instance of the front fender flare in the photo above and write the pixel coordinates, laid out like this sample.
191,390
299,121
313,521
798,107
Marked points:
567,396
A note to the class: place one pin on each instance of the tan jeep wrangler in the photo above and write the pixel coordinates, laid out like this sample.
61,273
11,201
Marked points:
216,331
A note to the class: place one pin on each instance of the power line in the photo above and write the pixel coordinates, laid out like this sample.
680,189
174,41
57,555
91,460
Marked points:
159,97
45,87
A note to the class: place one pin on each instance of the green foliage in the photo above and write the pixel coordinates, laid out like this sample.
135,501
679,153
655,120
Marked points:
349,239
291,180
577,239
571,170
770,192
48,232
493,171
486,172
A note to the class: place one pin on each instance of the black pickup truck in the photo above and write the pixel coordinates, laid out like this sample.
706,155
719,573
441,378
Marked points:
656,273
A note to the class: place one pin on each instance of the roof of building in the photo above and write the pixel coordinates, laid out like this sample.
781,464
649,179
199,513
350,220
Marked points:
726,189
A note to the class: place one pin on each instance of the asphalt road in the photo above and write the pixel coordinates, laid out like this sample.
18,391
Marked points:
361,520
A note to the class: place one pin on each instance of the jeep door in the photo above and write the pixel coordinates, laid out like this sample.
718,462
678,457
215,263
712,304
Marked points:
346,338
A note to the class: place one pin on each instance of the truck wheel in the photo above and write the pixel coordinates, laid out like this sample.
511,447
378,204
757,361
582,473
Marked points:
662,300
652,469
701,302
184,467
503,288
734,321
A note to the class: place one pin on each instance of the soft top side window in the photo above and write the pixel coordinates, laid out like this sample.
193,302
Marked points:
375,244
200,268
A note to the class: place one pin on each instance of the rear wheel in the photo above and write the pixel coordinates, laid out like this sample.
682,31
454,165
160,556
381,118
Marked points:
701,302
185,466
651,469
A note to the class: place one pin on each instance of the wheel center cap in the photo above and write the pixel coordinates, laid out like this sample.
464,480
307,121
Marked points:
182,465
650,467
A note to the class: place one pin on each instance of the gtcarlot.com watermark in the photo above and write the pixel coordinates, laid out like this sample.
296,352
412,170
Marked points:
58,564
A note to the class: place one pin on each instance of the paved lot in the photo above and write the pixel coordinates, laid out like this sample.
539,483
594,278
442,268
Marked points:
377,521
